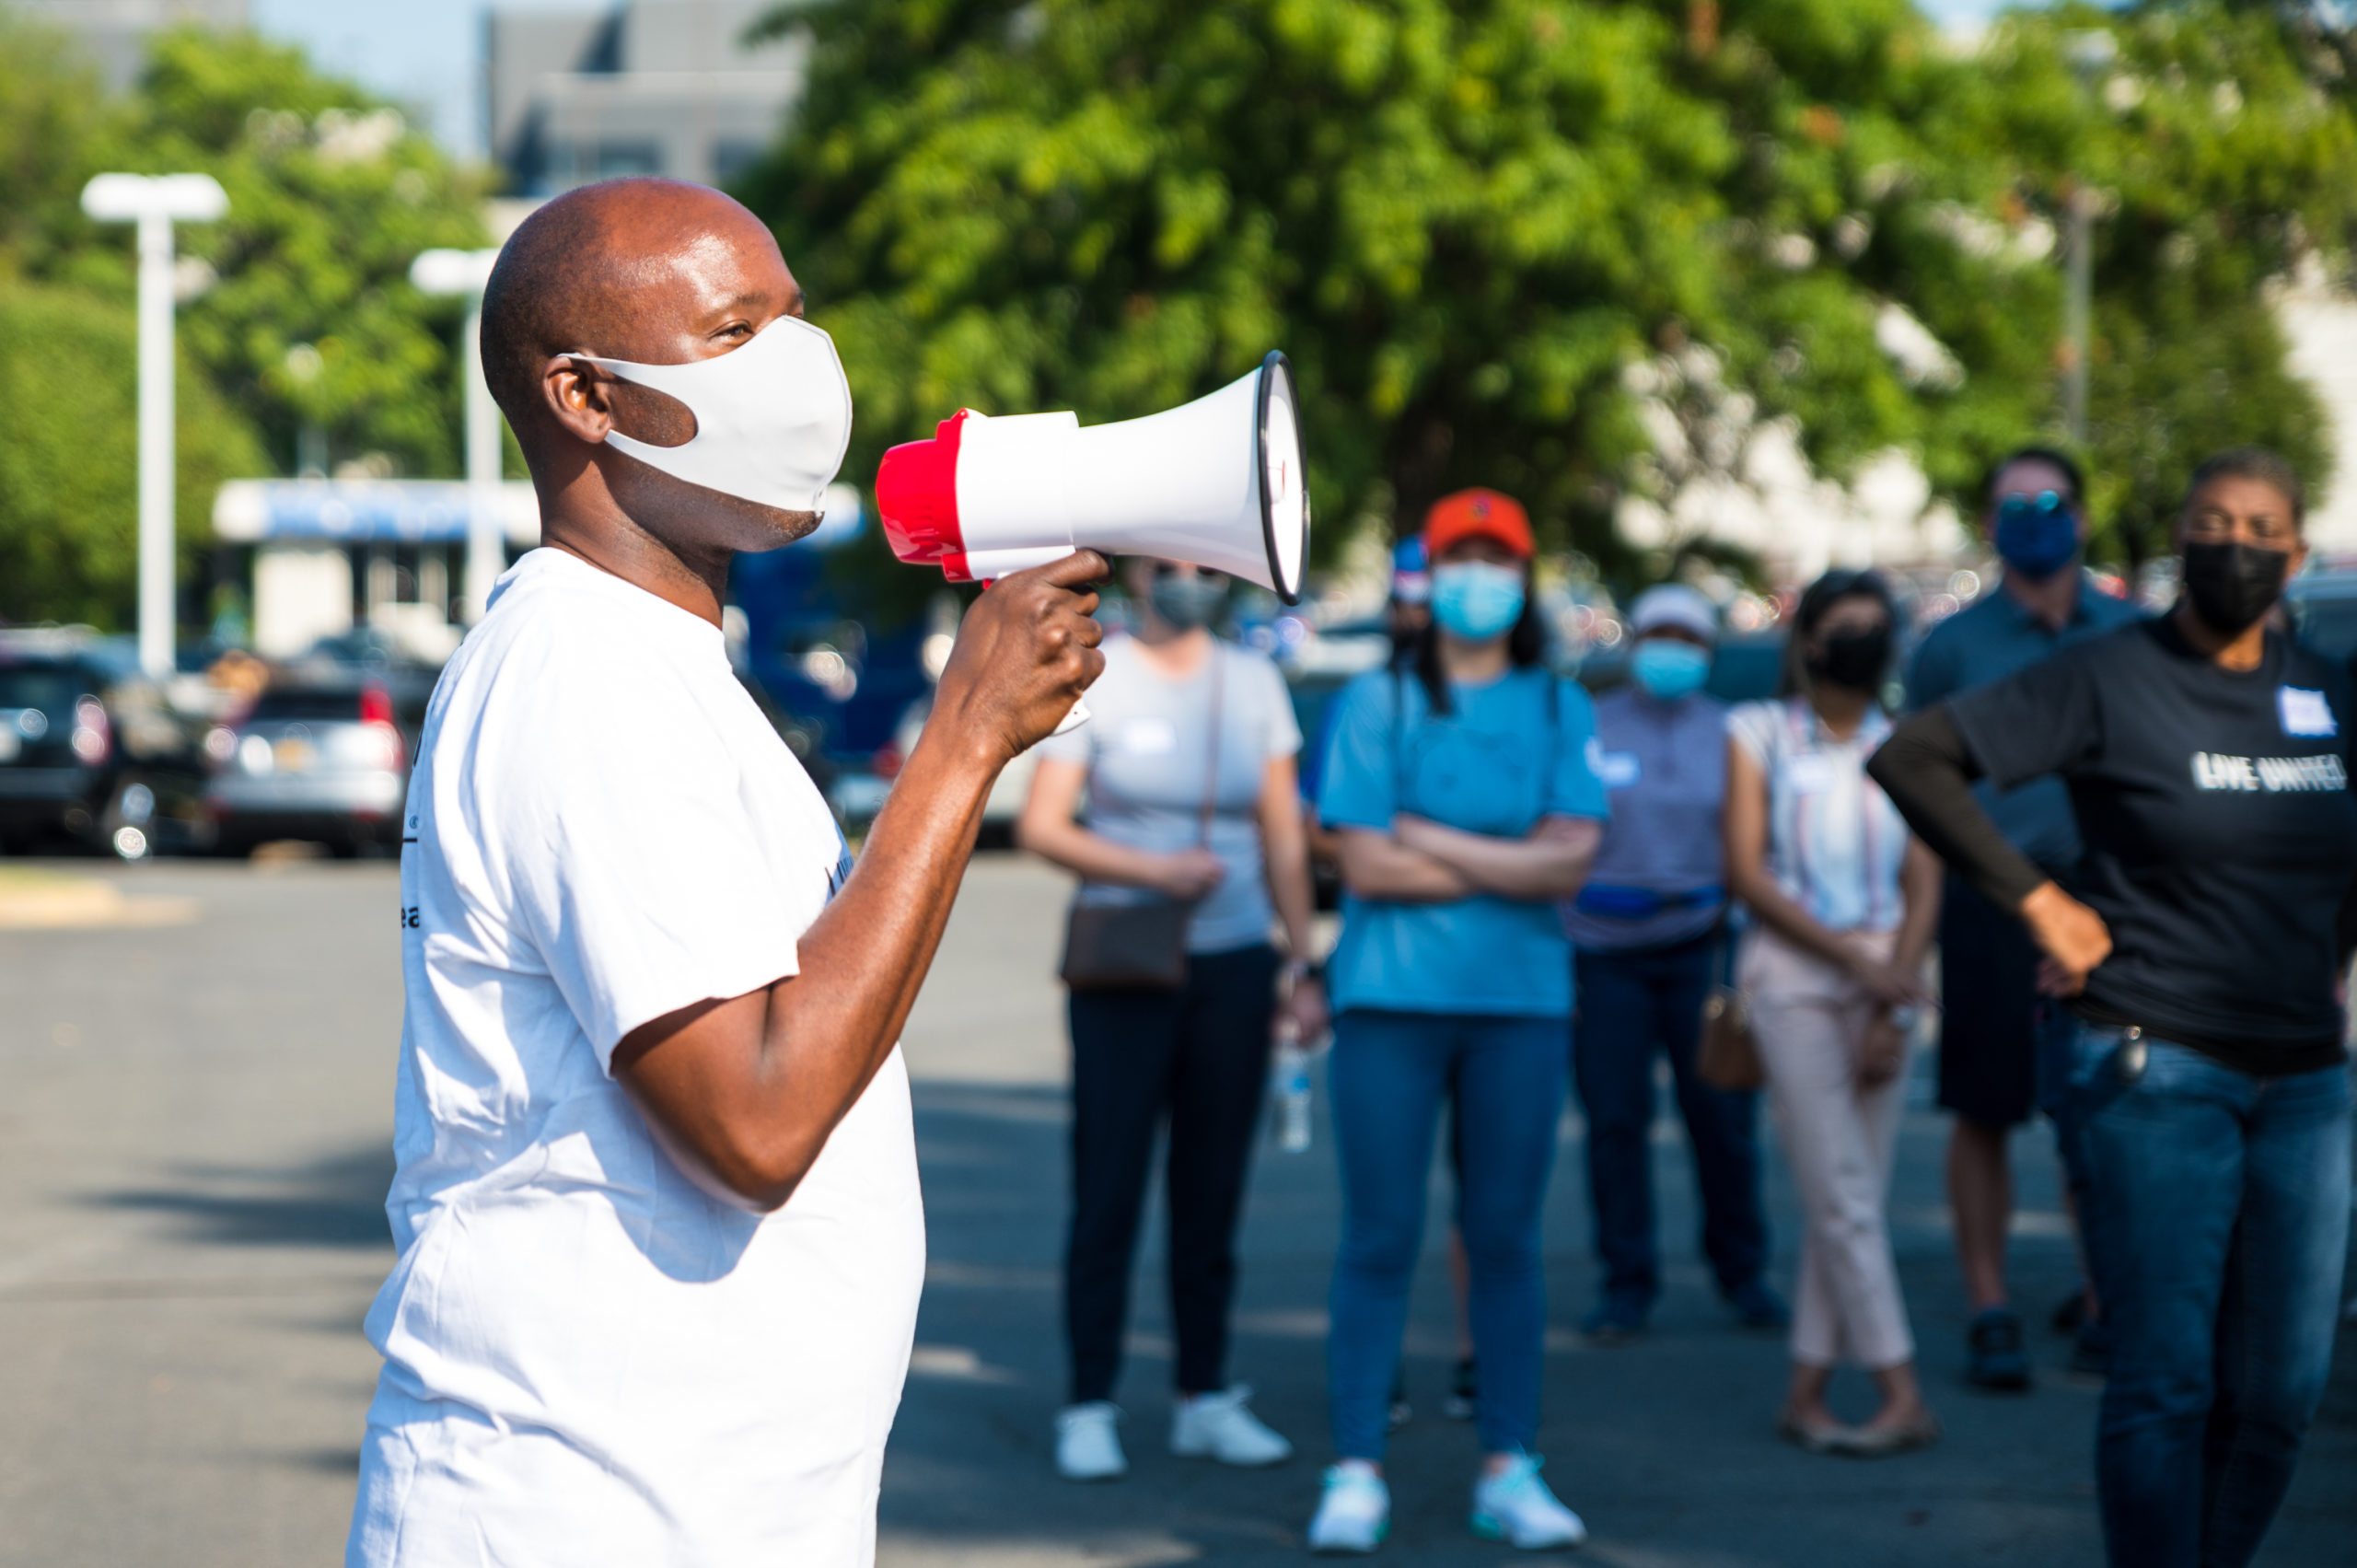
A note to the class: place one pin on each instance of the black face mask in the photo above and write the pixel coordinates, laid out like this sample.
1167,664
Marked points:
2233,585
1852,659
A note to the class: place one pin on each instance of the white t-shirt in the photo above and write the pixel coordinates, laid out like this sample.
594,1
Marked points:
589,1361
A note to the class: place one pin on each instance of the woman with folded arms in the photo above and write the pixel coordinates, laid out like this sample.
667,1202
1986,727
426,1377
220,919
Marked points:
1846,902
1460,791
2203,938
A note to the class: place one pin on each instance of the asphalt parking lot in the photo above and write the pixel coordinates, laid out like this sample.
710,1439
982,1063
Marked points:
194,1153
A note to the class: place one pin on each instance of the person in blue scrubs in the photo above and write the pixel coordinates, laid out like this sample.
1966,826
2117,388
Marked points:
1459,789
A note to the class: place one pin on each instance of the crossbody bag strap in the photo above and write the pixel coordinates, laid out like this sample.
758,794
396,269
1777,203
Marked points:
1211,751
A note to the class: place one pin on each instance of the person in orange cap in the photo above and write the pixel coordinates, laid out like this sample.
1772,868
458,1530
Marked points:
1458,785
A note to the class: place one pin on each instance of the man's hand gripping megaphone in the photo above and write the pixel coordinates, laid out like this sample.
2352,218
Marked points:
1218,483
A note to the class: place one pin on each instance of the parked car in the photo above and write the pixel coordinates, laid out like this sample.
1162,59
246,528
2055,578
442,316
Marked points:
2323,606
323,759
90,750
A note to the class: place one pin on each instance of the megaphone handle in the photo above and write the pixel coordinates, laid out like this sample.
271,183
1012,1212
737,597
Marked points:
1079,714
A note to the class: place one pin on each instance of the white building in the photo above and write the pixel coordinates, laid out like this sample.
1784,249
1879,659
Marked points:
650,87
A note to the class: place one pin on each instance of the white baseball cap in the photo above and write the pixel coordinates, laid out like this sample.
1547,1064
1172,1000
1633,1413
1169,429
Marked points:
1673,604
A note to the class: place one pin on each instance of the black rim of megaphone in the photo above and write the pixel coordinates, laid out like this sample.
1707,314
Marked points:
1276,362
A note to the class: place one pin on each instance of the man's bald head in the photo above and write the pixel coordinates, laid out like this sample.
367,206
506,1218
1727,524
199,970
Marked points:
618,269
651,270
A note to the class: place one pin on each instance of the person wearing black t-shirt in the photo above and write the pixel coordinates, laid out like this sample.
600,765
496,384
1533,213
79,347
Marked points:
2203,941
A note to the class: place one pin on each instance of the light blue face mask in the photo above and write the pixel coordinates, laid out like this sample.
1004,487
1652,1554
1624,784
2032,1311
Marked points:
1476,599
1668,669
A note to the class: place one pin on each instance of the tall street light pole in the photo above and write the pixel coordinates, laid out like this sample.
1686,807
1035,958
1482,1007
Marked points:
155,202
2091,51
464,273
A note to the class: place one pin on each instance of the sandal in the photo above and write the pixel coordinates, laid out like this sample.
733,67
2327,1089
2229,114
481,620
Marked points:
1881,1442
1815,1438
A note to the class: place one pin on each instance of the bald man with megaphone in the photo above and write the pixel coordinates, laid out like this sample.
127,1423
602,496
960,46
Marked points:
657,1205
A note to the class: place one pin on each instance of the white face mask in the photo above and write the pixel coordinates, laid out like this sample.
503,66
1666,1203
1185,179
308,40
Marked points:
773,416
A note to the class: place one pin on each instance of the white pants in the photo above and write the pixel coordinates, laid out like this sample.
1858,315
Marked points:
1840,1135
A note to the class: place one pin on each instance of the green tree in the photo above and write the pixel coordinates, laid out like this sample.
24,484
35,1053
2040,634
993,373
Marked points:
69,470
331,195
2219,163
1471,224
301,314
1463,222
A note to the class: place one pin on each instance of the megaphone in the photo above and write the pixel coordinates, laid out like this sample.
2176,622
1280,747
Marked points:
1218,483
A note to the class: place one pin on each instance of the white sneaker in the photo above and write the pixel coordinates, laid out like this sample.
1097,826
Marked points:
1514,1506
1356,1513
1086,1448
1217,1426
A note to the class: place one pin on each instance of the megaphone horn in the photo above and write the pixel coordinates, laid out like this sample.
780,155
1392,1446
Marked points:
1219,482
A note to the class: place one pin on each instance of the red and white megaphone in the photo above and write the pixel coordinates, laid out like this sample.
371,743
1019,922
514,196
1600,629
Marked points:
1217,482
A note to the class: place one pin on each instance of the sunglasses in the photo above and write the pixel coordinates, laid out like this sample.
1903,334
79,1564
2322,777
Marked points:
1165,569
2012,508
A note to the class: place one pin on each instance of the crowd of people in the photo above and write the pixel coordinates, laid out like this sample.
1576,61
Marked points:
661,1237
2129,840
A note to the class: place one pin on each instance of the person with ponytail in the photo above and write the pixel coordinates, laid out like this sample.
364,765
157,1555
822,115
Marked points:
1845,901
1459,789
2202,939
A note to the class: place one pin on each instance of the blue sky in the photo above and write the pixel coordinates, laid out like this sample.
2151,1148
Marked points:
427,55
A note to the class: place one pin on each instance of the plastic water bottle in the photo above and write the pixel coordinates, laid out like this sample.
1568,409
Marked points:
1290,1081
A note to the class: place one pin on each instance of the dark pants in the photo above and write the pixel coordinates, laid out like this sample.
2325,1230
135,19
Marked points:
1199,1056
1631,1005
2225,1213
1989,1011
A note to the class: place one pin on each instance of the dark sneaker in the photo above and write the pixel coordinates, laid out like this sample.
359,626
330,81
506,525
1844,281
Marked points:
1402,1410
1463,1392
2071,1312
2091,1350
1615,1320
1997,1361
1756,1306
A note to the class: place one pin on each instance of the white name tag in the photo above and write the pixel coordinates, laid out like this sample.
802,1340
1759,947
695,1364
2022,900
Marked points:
1613,769
1149,738
2305,712
1808,774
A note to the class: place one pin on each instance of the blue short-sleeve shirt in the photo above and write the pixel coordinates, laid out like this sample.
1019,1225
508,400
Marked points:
1988,640
1512,752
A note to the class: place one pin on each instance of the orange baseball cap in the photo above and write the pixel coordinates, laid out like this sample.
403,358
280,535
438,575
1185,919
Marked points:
1478,513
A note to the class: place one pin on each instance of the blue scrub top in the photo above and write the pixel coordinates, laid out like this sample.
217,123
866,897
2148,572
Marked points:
1512,752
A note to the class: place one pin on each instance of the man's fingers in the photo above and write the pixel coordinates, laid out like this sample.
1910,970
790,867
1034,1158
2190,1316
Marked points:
1081,566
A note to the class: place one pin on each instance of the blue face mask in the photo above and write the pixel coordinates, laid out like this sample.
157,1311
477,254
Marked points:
1475,600
2036,535
1668,669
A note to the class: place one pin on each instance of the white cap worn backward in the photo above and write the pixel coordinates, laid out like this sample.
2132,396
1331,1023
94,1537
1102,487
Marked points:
1673,604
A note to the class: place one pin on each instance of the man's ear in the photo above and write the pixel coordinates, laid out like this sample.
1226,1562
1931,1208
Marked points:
576,398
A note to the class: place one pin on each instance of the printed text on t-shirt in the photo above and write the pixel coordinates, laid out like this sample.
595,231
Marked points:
2215,770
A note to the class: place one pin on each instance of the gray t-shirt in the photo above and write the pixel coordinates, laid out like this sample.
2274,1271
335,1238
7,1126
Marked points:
1144,749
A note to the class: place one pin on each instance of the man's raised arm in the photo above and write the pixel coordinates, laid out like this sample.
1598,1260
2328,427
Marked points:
745,1090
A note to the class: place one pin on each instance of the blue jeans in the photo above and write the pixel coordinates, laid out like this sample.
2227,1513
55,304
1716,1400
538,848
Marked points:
1631,1004
1388,1075
2223,1204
